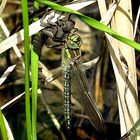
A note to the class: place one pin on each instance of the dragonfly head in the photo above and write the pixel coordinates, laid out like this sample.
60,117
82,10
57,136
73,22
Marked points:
74,42
73,47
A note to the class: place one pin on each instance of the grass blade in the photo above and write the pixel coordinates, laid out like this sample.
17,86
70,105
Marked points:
34,70
3,130
27,64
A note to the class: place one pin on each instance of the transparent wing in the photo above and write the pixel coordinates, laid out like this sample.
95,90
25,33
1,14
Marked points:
81,93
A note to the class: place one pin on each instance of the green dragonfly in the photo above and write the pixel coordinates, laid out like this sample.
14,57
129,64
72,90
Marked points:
75,77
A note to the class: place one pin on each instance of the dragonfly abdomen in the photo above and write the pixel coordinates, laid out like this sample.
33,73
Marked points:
67,95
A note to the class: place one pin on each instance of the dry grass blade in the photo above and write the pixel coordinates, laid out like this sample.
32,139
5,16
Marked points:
127,87
2,6
137,21
13,101
6,74
7,33
109,14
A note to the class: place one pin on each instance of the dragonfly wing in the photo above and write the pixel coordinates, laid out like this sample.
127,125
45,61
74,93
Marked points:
82,94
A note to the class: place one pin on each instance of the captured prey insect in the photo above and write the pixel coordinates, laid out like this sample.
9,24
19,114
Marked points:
57,32
63,33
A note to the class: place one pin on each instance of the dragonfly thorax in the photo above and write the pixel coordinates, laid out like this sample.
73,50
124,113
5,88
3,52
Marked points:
72,48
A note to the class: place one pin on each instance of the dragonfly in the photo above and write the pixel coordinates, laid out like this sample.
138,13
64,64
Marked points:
63,33
75,77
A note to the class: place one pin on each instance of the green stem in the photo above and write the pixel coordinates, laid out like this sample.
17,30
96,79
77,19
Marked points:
27,64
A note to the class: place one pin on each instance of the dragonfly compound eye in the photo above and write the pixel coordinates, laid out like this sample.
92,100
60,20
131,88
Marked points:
76,39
